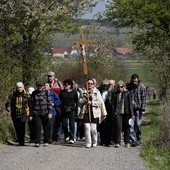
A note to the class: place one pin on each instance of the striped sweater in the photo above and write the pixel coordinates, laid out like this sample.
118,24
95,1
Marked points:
41,102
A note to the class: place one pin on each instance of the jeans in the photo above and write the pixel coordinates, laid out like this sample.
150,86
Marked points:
90,130
69,119
135,132
57,129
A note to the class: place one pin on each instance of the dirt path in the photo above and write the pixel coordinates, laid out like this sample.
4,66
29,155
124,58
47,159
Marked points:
70,157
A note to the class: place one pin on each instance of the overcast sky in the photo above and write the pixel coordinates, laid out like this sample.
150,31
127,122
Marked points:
98,8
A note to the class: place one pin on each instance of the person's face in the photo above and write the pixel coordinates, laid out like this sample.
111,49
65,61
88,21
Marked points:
120,88
46,86
51,78
135,81
90,84
112,83
20,89
40,87
67,86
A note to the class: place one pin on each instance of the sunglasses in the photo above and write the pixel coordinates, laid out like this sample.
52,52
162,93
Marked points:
120,86
66,84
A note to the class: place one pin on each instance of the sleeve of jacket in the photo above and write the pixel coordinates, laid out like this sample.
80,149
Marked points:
143,97
56,100
8,102
131,112
49,102
102,105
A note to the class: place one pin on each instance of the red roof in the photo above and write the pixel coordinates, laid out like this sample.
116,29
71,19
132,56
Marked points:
61,50
124,51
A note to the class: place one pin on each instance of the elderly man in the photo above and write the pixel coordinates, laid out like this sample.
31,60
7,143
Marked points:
55,84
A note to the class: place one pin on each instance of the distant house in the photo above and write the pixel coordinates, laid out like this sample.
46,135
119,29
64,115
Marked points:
123,52
61,51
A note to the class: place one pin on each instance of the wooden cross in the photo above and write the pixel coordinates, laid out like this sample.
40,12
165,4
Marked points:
82,43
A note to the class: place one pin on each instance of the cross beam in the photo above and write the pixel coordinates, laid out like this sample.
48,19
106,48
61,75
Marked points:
82,43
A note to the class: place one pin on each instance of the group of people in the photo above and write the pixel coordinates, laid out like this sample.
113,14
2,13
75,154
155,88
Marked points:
113,110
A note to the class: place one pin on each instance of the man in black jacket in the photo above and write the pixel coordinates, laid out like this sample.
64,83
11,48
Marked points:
138,95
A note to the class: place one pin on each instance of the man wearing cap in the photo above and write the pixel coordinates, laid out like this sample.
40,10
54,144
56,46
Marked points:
55,84
18,104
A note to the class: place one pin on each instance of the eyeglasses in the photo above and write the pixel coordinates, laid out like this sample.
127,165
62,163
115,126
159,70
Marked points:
66,84
120,86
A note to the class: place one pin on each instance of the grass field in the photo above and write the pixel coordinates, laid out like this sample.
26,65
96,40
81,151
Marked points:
156,156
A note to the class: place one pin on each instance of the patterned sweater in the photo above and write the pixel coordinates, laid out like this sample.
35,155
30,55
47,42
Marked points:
41,102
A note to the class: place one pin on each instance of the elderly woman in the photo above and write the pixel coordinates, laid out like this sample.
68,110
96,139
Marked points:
122,112
92,111
18,105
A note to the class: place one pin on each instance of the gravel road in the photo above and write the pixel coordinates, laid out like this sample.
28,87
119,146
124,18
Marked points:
70,157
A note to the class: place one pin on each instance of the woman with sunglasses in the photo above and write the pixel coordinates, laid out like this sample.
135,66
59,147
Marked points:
122,112
69,100
92,111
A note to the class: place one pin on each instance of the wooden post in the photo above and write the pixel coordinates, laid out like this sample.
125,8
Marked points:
82,43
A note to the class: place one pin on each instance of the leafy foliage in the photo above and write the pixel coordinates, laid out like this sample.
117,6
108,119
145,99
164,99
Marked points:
151,36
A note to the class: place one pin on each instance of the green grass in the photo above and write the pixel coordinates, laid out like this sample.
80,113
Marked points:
157,157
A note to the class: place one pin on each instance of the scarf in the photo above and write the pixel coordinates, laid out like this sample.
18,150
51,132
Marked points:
18,106
120,104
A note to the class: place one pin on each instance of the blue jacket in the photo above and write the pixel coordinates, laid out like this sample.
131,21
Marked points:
55,102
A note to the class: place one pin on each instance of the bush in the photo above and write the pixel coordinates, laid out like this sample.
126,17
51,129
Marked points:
6,128
164,126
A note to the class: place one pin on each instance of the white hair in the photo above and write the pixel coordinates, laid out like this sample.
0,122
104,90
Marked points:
19,84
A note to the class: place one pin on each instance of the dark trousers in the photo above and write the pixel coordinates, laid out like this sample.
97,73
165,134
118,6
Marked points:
31,125
80,129
57,129
20,130
44,121
121,124
69,119
102,132
51,127
108,124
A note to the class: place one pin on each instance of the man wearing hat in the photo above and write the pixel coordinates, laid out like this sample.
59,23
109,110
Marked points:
55,84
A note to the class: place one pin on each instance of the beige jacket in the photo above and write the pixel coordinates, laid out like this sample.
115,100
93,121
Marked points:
98,106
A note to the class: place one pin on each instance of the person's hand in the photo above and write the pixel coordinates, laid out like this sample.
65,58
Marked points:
143,113
30,118
89,103
49,116
8,109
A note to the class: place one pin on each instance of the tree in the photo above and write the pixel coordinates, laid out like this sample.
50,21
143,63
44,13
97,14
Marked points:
151,22
26,26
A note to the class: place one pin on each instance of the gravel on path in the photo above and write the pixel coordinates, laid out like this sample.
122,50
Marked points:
70,157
